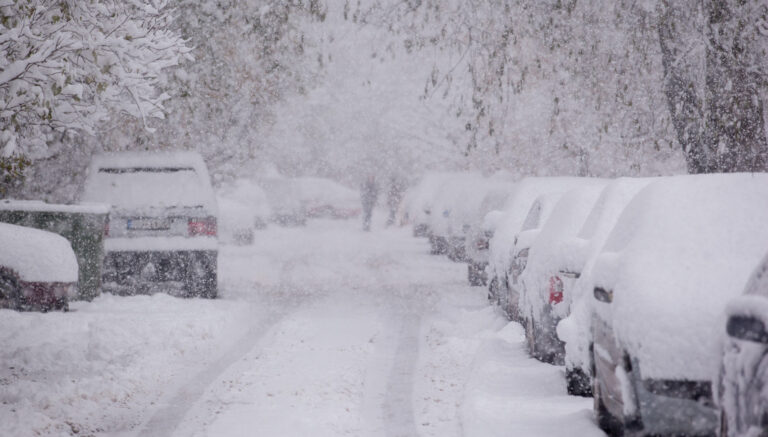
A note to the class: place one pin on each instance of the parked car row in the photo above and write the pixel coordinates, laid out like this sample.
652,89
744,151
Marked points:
248,205
652,292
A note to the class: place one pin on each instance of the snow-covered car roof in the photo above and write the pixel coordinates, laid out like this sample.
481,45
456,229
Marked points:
681,249
36,255
135,180
516,210
546,256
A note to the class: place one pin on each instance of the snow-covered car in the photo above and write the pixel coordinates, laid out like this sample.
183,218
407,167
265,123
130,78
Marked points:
324,198
38,269
419,201
550,273
455,202
481,231
743,378
284,196
580,253
162,230
243,208
680,251
509,299
506,224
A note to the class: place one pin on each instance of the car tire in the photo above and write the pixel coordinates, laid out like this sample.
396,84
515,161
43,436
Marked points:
493,291
578,382
201,279
10,291
530,339
473,275
723,423
605,420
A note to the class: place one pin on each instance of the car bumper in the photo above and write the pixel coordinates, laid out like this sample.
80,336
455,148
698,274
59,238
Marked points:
131,272
668,415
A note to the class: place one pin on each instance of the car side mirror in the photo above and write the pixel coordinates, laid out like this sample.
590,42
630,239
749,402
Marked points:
603,295
747,328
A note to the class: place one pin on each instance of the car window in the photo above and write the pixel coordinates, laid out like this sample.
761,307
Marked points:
533,217
136,187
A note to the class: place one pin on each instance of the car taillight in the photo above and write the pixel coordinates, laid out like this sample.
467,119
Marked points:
106,228
202,226
555,290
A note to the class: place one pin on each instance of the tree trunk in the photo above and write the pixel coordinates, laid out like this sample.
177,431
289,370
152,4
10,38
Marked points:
680,89
735,126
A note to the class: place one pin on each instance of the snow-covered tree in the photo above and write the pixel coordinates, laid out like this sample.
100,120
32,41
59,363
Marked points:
67,66
543,86
248,56
716,71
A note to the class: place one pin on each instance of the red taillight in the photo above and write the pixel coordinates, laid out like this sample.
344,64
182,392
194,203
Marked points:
555,290
202,226
106,228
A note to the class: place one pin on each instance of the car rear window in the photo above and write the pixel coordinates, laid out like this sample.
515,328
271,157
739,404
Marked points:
137,187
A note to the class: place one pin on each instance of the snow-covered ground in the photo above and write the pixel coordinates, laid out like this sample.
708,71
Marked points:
322,331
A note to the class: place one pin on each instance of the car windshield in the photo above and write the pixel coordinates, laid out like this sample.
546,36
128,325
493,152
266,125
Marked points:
136,187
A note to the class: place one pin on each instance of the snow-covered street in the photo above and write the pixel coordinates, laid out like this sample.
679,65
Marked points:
321,330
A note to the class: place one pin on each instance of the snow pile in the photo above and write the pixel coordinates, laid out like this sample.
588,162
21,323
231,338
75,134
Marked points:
582,251
547,255
515,212
658,261
97,369
132,180
37,256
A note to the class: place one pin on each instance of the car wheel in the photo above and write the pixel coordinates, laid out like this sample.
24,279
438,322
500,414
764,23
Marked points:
723,423
201,280
10,291
530,338
493,291
473,275
578,382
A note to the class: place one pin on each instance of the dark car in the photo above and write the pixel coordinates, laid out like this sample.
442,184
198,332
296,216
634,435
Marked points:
162,233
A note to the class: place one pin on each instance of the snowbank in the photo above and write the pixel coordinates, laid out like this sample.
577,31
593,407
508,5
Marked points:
679,252
37,256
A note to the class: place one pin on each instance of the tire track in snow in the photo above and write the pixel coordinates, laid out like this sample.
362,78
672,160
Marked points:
165,421
398,402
